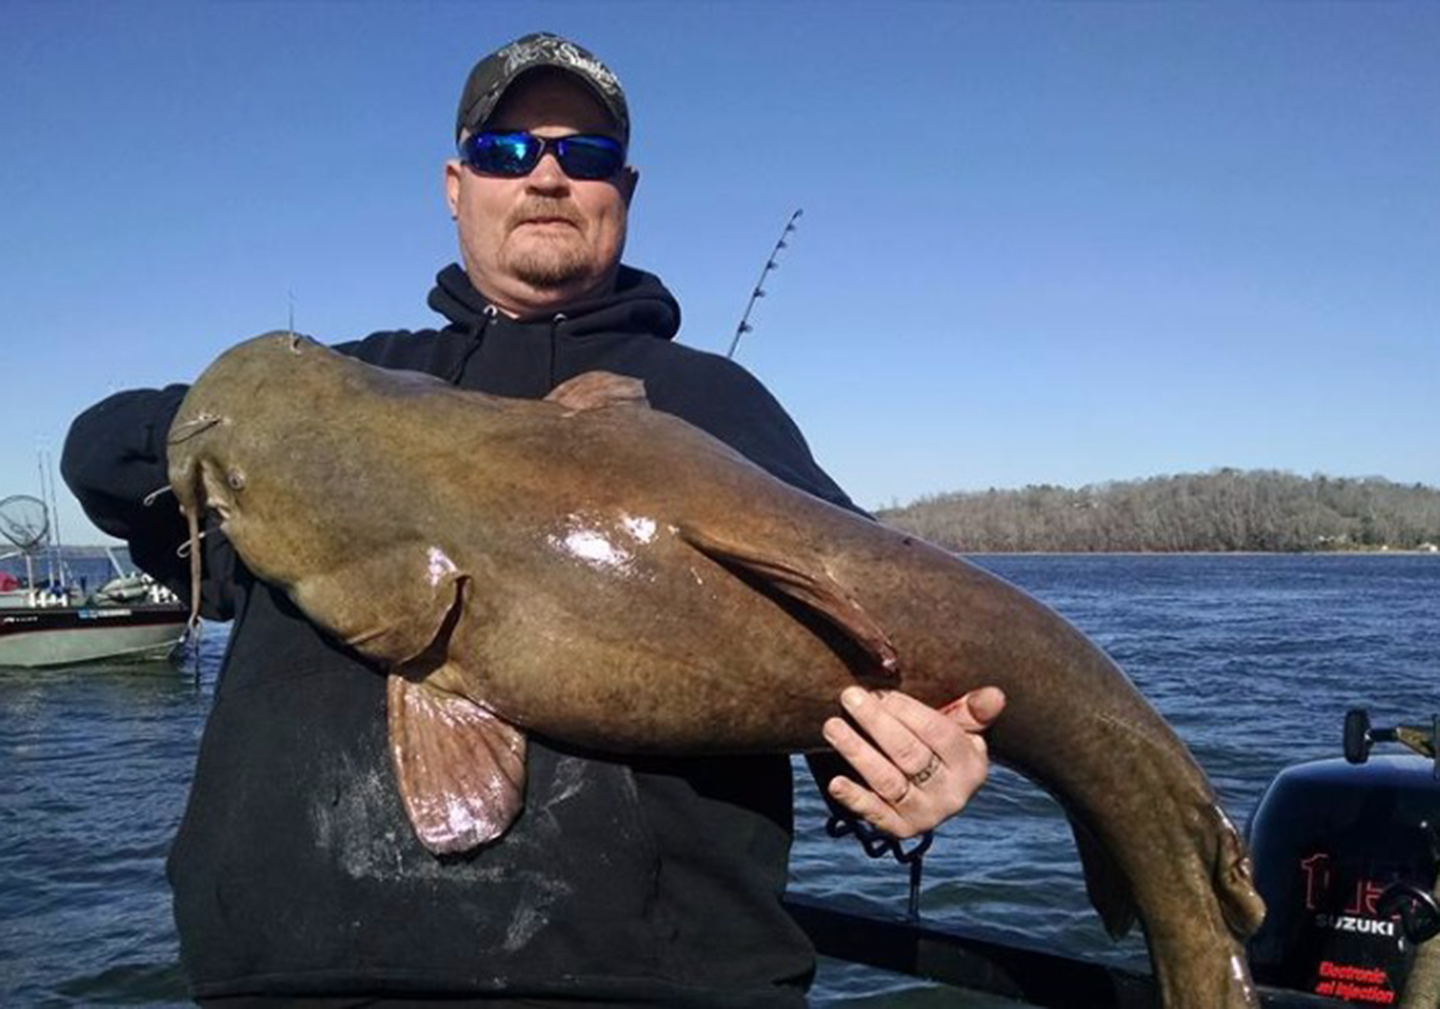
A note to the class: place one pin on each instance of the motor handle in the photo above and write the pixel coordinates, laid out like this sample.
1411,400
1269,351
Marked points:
1360,735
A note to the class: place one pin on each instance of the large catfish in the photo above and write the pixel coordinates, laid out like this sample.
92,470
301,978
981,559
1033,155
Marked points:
599,572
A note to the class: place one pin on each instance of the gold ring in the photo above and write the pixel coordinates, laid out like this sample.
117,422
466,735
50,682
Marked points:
927,772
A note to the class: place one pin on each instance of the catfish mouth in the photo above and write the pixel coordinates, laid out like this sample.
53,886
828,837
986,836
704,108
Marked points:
213,494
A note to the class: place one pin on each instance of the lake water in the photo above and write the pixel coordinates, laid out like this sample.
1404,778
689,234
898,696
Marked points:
1253,659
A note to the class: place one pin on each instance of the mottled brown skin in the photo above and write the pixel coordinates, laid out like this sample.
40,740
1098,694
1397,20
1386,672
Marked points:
611,576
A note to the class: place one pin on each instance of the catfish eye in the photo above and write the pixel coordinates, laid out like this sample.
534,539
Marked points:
235,479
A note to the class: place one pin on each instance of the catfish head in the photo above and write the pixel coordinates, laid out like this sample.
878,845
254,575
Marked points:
206,448
207,451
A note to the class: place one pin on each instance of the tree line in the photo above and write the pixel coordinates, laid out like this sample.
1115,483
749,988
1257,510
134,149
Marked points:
1223,510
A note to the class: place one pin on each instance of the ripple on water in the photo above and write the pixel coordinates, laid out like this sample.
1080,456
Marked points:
97,760
1253,660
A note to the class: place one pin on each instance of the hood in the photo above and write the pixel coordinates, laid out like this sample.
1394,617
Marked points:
640,303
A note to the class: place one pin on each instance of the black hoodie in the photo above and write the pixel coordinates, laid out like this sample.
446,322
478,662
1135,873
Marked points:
295,870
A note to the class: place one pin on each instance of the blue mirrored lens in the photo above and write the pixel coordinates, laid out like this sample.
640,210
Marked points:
589,157
511,154
581,156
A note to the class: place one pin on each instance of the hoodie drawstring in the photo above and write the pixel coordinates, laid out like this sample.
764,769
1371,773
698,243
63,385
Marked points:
477,336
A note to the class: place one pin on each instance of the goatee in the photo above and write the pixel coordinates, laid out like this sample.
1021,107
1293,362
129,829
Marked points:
548,261
551,265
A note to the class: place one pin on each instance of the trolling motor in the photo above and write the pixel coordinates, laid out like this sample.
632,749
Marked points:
1346,853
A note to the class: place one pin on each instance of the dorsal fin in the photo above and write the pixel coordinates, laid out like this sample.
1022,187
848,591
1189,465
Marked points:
595,390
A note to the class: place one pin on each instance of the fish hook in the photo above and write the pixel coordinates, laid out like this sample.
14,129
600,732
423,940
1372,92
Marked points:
186,430
186,548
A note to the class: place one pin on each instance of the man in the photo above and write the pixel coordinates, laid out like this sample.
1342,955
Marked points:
624,881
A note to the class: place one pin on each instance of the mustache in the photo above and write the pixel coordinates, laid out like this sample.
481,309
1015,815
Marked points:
540,208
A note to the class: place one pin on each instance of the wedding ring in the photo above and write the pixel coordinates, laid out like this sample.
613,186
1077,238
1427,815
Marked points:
927,772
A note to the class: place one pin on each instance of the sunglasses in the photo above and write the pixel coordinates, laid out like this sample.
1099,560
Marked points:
514,155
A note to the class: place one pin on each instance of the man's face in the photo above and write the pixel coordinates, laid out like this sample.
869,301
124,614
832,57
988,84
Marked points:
546,240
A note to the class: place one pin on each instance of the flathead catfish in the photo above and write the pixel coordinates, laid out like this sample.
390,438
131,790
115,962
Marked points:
592,570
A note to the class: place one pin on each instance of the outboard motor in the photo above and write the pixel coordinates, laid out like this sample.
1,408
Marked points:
1345,856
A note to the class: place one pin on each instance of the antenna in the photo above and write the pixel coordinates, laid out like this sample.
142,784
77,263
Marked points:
759,291
47,472
290,325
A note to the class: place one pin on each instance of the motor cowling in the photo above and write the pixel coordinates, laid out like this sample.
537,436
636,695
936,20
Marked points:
1345,855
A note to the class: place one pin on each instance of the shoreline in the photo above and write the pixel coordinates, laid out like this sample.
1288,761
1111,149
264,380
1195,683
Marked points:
1197,553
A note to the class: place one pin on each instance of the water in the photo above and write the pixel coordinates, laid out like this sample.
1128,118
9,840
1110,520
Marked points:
1254,660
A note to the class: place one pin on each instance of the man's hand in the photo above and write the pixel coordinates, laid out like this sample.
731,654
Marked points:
921,765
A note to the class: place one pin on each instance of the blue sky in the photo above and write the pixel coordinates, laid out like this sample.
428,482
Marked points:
1041,243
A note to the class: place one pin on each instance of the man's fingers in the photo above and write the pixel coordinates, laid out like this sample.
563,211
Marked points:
871,808
951,735
879,772
977,710
895,722
920,765
973,712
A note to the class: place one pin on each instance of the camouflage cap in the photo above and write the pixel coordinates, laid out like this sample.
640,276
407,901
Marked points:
494,74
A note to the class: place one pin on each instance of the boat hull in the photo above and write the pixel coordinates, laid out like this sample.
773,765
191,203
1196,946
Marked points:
66,635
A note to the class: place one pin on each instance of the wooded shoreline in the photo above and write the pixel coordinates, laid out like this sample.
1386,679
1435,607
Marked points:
1220,512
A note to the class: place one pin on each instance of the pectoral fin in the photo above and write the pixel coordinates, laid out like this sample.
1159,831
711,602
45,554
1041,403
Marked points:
391,627
460,768
810,584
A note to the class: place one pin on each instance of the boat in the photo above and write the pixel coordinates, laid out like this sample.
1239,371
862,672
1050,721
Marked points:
1346,853
55,621
55,627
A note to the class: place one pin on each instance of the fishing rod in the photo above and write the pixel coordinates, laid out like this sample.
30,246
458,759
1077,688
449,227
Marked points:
54,563
759,292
